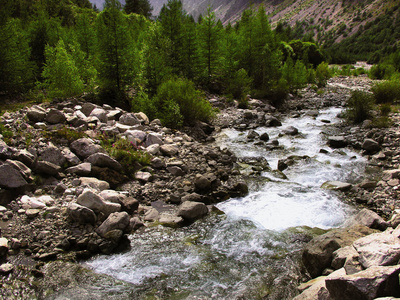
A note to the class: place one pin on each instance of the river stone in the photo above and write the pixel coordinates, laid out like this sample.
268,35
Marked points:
129,119
94,183
337,186
377,281
252,135
169,220
129,204
202,183
81,214
264,137
153,150
318,253
47,168
54,116
341,255
3,247
134,224
36,114
96,203
115,221
71,158
6,269
379,249
371,146
169,150
151,215
32,213
53,155
176,171
112,196
337,142
271,121
104,160
85,147
191,211
10,178
370,219
291,130
83,169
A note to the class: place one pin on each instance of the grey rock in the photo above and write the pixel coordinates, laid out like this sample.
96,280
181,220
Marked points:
337,186
53,155
202,183
99,113
194,197
169,220
130,205
337,142
36,114
25,157
370,219
291,130
6,151
94,183
96,203
142,118
153,139
134,224
271,121
169,149
129,119
151,215
83,169
104,160
3,247
87,108
135,136
153,149
264,137
371,146
70,157
158,163
252,135
54,116
143,176
176,171
20,167
81,214
32,213
115,221
112,196
191,211
10,178
6,269
85,147
47,168
341,255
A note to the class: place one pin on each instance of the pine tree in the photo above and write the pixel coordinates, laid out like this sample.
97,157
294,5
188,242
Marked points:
141,7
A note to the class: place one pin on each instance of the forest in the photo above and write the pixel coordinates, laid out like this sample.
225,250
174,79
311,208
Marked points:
161,66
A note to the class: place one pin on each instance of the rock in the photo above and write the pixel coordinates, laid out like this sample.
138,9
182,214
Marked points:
368,184
100,114
81,214
391,174
169,149
10,178
20,167
337,142
153,139
53,155
47,168
252,135
169,220
36,114
25,157
55,116
112,196
341,255
104,160
374,282
129,119
134,224
379,249
96,203
291,130
3,247
337,186
32,213
153,149
264,137
6,269
370,219
371,146
142,118
71,158
158,163
85,147
83,169
191,211
318,253
95,183
143,176
395,220
130,205
135,136
271,121
115,221
87,108
151,215
202,183
194,197
31,202
176,171
6,151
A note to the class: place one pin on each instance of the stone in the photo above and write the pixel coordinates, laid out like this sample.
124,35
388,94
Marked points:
22,168
10,178
153,149
129,119
31,202
151,215
83,169
337,142
112,196
104,160
134,224
169,220
318,253
95,183
142,118
377,281
135,136
169,149
291,130
194,197
6,269
6,151
153,139
85,147
71,158
115,221
47,168
341,255
202,183
191,211
96,203
36,114
264,137
371,146
81,214
337,186
368,184
370,219
379,249
271,121
54,116
3,247
158,163
25,157
143,176
100,114
176,171
130,205
87,108
32,213
113,114
252,135
53,155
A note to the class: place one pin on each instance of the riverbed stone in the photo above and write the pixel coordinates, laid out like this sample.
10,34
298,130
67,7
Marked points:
81,214
115,221
271,121
371,146
340,256
169,149
337,186
169,220
96,203
151,215
129,204
337,142
84,147
191,211
370,219
291,130
377,281
10,178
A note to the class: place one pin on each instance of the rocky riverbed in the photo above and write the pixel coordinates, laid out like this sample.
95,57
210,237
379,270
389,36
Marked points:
65,198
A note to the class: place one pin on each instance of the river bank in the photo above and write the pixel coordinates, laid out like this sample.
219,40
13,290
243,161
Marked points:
183,170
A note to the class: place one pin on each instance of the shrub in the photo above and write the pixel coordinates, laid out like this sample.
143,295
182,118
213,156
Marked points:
386,91
381,71
239,84
322,74
179,103
359,106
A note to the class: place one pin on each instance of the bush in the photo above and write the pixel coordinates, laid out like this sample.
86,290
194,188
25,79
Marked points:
386,91
359,106
322,74
179,103
239,84
381,71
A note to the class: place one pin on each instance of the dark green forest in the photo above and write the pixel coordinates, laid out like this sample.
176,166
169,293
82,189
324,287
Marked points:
161,66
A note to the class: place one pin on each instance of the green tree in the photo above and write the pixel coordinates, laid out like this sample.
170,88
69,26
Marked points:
295,74
141,7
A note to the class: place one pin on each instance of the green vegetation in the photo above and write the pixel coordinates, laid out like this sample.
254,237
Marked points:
65,135
386,91
360,106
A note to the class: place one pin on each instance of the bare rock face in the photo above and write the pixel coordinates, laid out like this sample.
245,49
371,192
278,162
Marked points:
369,284
191,211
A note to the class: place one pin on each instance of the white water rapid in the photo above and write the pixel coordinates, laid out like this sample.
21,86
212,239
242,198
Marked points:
246,253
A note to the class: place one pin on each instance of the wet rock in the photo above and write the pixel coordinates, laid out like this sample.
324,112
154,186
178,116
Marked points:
115,221
10,178
337,186
252,135
134,224
96,203
271,121
337,142
264,137
129,119
341,255
81,214
104,160
55,116
169,220
85,147
95,183
370,219
368,284
371,146
191,211
291,130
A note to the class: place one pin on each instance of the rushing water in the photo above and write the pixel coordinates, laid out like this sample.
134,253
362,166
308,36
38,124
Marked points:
247,253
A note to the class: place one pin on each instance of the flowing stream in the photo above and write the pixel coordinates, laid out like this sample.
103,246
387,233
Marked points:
251,251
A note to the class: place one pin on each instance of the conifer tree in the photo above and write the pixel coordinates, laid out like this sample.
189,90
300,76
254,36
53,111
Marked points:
141,7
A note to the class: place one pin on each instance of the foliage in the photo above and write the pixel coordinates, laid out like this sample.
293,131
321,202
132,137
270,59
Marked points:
386,91
359,106
322,74
295,74
141,7
381,71
179,103
64,135
239,84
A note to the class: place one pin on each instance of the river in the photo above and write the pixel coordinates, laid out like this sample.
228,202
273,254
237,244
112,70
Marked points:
252,250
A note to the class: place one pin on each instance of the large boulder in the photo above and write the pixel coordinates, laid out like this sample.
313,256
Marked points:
36,114
115,221
104,160
85,147
96,203
191,211
54,116
129,119
318,254
53,155
369,284
100,114
10,178
81,214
